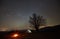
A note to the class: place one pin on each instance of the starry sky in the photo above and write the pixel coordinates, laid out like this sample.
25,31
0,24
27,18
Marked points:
15,13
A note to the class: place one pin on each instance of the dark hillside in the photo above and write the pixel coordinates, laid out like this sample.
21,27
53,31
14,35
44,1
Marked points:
45,33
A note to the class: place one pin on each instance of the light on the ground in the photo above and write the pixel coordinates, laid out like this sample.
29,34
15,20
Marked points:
29,31
15,35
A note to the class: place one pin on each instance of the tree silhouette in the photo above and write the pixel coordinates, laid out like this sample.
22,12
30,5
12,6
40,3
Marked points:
37,21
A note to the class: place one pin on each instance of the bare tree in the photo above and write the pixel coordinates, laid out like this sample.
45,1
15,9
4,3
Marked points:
36,21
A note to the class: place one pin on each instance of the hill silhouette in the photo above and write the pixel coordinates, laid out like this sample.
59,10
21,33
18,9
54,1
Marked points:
48,33
45,33
55,28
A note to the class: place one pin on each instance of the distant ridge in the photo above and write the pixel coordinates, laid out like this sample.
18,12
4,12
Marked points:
54,28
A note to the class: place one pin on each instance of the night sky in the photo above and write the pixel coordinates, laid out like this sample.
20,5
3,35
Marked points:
15,13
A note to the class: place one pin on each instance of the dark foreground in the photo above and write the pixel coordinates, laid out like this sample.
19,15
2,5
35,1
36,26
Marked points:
46,33
41,35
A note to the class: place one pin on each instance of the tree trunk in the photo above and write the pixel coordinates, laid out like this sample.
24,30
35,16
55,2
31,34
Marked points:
36,28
